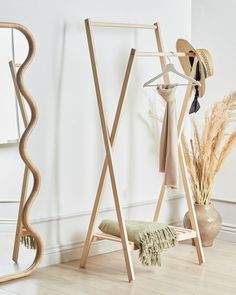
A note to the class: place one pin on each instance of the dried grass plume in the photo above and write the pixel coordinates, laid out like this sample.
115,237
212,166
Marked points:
207,151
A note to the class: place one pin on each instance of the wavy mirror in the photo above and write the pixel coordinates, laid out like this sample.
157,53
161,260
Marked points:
20,244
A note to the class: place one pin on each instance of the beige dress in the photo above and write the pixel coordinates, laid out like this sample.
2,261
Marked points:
168,162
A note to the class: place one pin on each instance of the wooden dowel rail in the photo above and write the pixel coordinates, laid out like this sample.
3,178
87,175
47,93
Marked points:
158,54
121,25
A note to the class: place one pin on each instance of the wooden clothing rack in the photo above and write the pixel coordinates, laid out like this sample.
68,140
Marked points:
109,141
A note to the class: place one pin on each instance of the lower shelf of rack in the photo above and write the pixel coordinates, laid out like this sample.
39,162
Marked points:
102,236
182,234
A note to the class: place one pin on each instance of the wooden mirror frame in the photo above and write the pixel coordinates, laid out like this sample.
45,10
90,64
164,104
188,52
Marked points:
24,155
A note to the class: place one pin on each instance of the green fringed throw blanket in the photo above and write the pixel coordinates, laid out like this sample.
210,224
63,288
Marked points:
150,237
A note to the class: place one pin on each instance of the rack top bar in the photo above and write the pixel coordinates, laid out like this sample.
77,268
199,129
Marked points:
122,25
171,54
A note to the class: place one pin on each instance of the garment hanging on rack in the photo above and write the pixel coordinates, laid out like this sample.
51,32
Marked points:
169,140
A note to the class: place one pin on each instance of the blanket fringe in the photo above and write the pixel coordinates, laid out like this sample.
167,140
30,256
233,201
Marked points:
151,244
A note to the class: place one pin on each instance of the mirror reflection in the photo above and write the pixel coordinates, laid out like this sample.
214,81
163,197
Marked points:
16,249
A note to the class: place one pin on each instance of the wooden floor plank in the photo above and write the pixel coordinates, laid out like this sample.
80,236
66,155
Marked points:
105,274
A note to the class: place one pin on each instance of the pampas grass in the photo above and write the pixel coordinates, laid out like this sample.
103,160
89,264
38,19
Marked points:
207,151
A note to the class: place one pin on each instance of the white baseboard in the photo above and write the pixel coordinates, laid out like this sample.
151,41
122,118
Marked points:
228,233
227,210
64,235
73,251
67,251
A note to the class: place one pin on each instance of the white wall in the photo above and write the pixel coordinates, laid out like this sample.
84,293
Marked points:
213,26
67,143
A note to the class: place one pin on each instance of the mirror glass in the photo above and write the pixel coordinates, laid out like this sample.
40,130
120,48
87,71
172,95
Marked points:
14,49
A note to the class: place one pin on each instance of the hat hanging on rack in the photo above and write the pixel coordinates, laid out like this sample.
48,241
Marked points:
204,68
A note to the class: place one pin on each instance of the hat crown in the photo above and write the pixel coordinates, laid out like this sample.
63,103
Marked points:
205,64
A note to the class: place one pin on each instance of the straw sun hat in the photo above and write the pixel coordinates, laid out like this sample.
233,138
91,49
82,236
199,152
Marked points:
204,68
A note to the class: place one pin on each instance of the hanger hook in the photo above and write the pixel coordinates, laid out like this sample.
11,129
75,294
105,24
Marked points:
168,59
173,54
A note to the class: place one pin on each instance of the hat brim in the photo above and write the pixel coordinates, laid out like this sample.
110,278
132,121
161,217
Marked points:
184,46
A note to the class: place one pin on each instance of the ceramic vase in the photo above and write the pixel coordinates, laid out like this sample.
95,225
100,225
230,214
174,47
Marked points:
209,222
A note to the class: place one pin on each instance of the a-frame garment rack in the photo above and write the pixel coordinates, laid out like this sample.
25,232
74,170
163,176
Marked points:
109,141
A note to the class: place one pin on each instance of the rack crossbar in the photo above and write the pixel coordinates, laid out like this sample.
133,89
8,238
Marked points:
122,25
171,54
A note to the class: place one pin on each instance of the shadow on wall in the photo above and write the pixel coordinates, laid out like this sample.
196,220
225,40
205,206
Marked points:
55,185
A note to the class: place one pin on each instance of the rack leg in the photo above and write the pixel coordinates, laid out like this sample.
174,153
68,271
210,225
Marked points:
108,142
96,206
97,202
123,232
124,237
159,203
19,218
192,213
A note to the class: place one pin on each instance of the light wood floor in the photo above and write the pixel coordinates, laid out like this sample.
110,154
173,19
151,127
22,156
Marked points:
105,274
